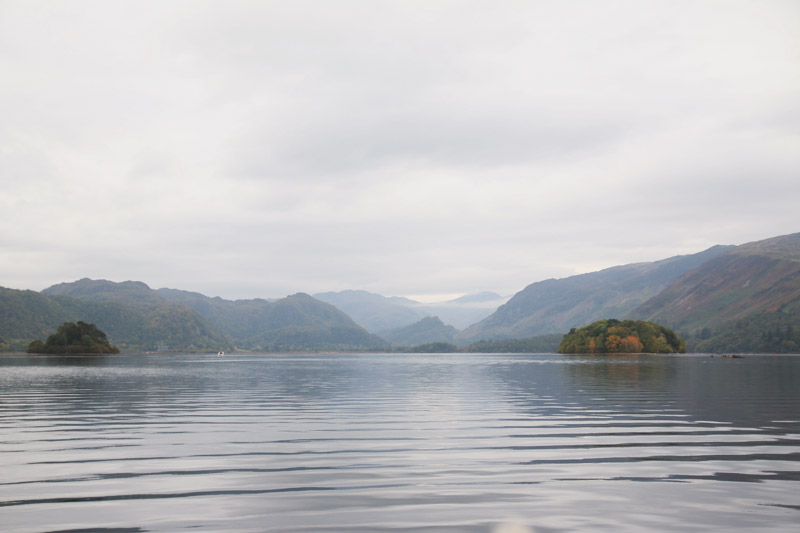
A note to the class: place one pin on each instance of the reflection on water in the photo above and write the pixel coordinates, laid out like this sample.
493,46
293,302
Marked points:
399,443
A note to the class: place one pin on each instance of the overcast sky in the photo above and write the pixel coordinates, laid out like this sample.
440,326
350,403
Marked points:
257,149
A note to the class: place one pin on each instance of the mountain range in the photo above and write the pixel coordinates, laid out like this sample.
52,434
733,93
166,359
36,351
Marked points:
135,316
726,298
557,305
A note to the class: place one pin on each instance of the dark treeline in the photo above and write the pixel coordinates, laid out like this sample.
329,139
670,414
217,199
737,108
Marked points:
771,332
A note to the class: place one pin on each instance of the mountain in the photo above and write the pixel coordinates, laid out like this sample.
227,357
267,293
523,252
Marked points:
297,322
756,285
305,323
428,330
136,317
556,305
371,311
378,314
133,293
27,315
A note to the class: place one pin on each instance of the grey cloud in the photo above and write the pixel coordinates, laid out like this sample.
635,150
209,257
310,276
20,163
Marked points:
349,144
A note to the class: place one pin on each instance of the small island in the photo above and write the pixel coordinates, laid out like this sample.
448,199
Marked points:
621,336
72,338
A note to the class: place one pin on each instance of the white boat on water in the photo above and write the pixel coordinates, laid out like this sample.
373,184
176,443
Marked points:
220,354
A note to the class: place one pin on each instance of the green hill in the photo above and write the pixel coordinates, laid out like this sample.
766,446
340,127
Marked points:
135,317
300,322
27,315
428,330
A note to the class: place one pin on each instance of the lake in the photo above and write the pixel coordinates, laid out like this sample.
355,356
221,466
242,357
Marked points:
386,442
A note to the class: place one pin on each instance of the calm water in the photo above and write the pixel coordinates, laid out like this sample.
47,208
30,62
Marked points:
494,443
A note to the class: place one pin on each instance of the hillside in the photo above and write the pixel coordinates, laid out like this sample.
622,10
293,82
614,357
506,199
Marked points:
770,332
557,305
27,315
428,330
759,279
303,323
135,317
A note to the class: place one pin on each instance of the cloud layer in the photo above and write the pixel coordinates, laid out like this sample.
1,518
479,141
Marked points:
261,148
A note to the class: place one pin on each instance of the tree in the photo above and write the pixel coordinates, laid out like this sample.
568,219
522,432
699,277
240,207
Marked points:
621,336
72,338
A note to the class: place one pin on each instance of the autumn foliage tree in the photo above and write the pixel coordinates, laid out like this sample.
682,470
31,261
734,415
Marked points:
622,336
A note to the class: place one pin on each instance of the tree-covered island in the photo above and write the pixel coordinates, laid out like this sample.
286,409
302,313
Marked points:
621,336
72,338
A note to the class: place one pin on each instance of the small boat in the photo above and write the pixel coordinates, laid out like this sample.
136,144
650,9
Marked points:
220,354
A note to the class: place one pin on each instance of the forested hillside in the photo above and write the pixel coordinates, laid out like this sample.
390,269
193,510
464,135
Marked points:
136,317
27,315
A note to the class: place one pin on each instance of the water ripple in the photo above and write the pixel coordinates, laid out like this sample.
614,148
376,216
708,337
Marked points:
400,443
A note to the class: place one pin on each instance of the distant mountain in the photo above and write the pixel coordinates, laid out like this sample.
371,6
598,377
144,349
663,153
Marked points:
303,322
378,314
557,305
477,298
464,311
297,322
756,285
373,312
428,330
